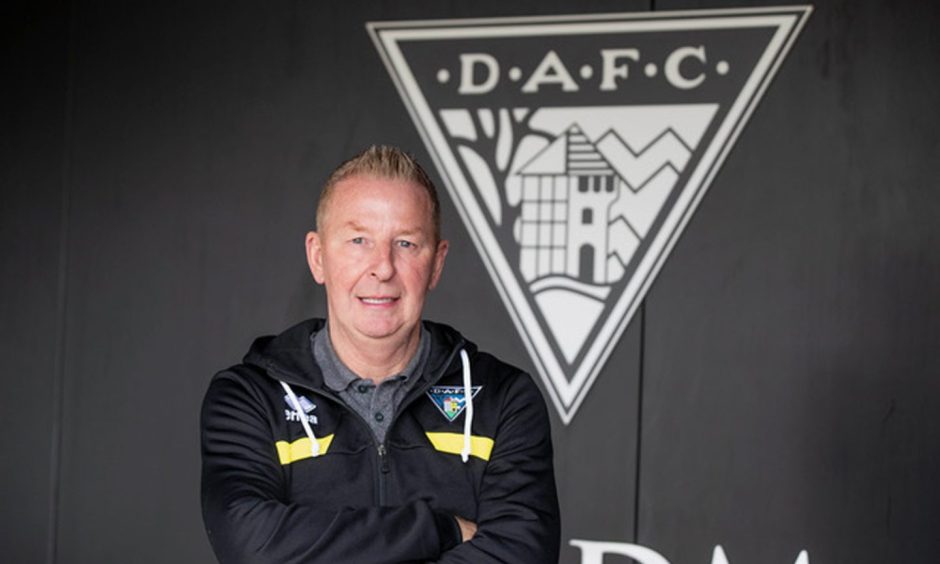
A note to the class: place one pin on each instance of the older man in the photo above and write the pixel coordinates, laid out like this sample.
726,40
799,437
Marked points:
374,436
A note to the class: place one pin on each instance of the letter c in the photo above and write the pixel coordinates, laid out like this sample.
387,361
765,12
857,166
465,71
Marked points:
672,67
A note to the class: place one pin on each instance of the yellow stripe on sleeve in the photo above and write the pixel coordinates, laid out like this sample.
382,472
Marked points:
452,443
300,449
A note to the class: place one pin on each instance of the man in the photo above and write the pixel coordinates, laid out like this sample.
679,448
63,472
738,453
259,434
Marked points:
374,437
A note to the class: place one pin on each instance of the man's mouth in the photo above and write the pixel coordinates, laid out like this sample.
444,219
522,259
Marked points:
377,301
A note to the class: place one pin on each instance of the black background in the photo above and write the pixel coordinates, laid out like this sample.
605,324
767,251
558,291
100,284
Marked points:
160,165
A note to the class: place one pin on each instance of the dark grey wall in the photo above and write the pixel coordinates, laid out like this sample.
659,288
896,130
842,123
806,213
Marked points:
791,383
159,170
32,217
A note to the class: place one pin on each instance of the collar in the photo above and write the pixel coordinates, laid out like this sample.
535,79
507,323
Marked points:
337,376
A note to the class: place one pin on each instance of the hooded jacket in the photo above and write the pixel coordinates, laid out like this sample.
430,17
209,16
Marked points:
291,474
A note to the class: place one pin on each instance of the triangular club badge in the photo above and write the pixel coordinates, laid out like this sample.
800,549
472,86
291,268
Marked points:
576,148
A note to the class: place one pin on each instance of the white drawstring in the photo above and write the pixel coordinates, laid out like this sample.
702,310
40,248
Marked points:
468,403
314,445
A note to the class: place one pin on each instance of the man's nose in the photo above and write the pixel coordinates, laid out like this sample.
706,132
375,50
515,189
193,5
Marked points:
383,262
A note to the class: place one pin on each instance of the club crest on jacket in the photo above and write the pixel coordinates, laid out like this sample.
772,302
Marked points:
450,400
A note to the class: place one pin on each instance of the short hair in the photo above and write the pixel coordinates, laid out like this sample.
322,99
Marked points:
386,162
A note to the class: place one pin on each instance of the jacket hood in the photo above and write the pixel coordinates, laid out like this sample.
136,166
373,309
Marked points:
287,357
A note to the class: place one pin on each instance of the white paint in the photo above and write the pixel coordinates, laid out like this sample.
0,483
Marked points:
568,389
550,71
468,64
593,552
611,70
674,61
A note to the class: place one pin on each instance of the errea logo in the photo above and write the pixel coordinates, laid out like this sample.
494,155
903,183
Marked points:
291,415
308,406
577,148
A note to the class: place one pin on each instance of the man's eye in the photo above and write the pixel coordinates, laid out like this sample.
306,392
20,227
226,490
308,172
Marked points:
406,244
357,240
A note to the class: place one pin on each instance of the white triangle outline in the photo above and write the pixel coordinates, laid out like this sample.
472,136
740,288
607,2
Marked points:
568,396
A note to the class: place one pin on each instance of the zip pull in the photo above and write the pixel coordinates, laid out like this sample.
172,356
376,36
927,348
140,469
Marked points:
383,459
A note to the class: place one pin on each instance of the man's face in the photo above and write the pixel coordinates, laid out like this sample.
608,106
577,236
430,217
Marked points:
376,254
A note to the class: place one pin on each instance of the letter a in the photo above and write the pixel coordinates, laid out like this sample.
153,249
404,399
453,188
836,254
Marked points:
559,75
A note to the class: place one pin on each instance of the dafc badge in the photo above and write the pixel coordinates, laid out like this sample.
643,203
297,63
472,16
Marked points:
577,148
451,400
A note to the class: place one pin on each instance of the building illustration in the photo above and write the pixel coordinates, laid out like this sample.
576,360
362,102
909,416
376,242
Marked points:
587,205
584,190
567,190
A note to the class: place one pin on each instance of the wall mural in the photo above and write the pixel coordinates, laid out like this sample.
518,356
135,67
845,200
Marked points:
577,148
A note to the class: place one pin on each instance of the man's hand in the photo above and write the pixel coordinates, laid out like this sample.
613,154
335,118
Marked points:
467,528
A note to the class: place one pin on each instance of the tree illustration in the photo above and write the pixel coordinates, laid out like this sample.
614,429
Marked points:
499,133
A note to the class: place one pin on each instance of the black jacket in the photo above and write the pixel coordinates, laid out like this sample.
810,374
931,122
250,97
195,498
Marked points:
266,499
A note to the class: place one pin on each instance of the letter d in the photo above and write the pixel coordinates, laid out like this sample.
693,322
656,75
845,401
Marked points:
467,63
592,552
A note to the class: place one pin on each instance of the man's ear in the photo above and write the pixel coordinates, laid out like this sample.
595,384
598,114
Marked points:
439,255
315,256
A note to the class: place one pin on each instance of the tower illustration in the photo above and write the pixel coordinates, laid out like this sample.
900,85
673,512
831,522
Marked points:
567,190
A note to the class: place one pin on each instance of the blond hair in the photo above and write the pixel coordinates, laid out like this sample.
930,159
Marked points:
386,162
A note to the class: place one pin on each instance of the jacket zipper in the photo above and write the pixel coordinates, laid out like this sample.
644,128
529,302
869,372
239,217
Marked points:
382,449
382,468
